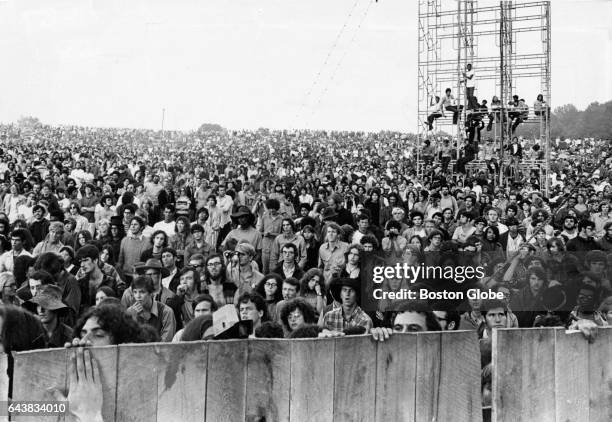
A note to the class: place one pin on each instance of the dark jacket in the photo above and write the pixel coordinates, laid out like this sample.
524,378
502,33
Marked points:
88,293
580,244
297,273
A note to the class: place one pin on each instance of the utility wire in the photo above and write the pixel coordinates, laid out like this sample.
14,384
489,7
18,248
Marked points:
329,54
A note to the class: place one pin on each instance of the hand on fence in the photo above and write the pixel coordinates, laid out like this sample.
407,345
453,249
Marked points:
84,389
587,327
330,333
77,342
381,333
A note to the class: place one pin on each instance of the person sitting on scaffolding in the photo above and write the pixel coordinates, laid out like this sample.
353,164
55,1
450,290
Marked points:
514,112
428,152
470,83
540,108
449,104
495,112
475,119
436,111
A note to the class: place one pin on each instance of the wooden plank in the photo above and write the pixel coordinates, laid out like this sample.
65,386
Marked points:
523,375
181,381
226,386
396,378
4,387
36,371
460,384
428,376
571,376
312,380
107,358
600,376
137,383
268,380
354,379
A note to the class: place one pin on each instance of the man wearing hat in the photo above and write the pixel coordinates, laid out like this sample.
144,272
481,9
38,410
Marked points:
153,268
245,232
240,269
349,314
53,242
48,305
39,227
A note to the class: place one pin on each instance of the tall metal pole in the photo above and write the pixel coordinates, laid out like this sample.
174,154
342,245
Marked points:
501,93
162,123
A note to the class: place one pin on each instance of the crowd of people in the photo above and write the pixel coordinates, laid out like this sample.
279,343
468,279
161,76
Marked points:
113,236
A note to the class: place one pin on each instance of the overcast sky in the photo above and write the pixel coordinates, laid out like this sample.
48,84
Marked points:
345,64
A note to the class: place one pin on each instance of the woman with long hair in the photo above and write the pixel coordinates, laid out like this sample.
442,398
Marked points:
490,244
82,238
270,288
373,204
352,268
182,237
312,289
117,231
103,233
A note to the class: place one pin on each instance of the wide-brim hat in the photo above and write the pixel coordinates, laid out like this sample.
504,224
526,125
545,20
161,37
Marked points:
49,297
338,283
151,264
243,211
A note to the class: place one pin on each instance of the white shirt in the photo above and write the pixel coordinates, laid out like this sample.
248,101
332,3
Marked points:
6,259
513,245
168,228
470,83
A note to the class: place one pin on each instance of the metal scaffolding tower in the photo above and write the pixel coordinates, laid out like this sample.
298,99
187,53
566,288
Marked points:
508,45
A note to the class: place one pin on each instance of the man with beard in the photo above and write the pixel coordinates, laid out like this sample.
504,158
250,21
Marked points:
569,231
584,240
222,291
343,216
39,227
540,220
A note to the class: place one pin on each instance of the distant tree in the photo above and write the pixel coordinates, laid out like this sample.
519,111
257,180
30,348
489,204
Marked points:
211,128
28,122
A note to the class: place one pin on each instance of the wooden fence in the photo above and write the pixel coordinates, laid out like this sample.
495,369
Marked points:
544,374
540,375
411,377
